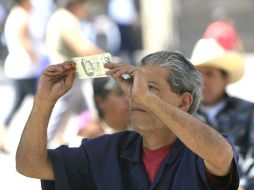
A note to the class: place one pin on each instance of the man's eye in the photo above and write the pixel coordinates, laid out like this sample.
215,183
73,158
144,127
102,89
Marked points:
209,74
152,87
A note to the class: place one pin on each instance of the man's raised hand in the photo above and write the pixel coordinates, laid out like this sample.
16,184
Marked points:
55,81
136,87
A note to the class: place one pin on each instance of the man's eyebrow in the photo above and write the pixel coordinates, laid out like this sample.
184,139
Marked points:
153,82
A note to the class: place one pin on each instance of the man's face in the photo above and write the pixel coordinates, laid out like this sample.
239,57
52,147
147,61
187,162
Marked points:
143,119
214,85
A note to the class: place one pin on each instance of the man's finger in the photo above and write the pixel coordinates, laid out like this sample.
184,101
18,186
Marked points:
124,70
114,65
59,69
112,71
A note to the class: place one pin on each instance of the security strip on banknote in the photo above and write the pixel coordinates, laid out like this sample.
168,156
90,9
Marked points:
92,66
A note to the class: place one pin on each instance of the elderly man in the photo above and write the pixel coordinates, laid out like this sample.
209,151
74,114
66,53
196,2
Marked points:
229,115
169,150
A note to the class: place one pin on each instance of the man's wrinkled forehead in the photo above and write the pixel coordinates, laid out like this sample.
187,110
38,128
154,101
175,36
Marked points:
156,72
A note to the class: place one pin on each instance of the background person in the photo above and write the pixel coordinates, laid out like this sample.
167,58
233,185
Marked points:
125,14
112,106
65,40
229,115
22,61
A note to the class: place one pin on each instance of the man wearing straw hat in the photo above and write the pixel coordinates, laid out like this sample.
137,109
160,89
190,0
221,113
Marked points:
229,115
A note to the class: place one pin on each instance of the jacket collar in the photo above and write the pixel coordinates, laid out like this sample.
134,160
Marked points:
133,147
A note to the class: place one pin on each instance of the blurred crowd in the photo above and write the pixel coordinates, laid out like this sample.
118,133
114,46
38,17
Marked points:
66,29
35,34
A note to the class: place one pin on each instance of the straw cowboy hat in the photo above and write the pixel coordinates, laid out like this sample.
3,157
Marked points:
207,52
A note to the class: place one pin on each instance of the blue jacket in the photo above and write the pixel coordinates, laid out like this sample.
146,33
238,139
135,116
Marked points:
113,162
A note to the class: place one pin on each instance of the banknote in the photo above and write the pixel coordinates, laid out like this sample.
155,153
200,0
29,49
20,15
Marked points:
92,66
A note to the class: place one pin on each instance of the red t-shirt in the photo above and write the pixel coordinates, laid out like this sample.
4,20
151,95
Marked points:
153,159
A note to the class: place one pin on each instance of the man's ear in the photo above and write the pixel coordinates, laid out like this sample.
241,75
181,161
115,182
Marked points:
186,101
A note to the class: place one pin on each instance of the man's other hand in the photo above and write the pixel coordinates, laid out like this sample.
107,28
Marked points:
55,81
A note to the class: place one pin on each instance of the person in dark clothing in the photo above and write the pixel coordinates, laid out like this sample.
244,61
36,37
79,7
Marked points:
169,149
229,115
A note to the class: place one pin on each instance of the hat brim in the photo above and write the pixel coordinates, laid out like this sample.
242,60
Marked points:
230,62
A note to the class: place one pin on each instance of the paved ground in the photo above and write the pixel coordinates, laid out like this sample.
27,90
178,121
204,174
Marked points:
10,179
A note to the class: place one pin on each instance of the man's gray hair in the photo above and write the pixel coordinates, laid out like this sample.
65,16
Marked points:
183,77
